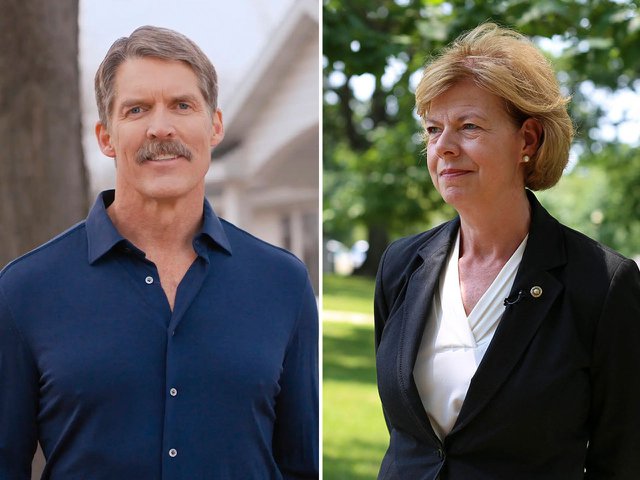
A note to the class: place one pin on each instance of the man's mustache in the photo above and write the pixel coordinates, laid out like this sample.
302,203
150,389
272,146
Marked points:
154,148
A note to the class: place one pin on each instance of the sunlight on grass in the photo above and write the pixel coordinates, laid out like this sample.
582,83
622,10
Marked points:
348,294
355,435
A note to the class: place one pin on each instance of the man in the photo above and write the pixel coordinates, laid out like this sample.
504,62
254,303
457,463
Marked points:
153,340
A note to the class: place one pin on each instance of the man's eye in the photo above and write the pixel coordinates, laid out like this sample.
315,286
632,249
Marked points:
469,126
183,106
432,130
135,110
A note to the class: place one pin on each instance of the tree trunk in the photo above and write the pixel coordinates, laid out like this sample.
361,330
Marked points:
378,241
43,184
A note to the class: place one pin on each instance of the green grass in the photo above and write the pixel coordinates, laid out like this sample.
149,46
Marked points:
347,294
355,436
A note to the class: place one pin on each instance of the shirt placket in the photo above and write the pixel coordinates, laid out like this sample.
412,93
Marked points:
174,453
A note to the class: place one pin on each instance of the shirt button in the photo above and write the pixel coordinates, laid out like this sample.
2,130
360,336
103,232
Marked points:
173,392
149,280
173,453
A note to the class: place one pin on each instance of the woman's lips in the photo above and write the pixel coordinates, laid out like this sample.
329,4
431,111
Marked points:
453,172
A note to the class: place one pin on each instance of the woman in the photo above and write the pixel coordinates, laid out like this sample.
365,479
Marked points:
507,344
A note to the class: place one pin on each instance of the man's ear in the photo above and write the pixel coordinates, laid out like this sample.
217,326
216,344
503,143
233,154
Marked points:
217,129
104,140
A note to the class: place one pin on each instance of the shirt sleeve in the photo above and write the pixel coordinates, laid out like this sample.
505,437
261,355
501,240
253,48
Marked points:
18,400
614,444
295,442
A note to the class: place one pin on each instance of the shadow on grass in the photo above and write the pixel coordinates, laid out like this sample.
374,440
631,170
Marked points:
348,353
350,468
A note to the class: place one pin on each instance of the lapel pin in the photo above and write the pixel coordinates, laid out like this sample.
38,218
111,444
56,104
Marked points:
536,291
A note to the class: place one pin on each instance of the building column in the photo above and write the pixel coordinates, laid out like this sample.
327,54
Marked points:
297,234
234,208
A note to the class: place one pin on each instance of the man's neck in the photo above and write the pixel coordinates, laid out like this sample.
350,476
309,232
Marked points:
157,225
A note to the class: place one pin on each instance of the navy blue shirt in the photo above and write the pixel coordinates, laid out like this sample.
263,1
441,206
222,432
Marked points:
115,385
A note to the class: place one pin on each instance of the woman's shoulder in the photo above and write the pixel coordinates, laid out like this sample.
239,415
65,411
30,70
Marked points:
406,254
412,245
589,253
551,239
583,242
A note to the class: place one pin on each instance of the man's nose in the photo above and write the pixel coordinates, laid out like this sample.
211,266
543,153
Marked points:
161,124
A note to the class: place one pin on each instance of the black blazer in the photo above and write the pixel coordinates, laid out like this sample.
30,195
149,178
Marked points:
557,393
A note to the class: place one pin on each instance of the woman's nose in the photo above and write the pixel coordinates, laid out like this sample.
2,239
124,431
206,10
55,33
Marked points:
446,144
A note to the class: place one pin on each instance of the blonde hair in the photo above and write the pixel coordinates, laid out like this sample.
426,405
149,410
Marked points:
508,65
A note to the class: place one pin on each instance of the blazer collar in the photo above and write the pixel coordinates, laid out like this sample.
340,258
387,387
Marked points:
417,305
545,250
537,289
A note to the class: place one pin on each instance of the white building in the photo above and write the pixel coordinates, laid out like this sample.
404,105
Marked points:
264,175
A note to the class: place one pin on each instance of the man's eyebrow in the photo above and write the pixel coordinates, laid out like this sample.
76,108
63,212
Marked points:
130,102
187,97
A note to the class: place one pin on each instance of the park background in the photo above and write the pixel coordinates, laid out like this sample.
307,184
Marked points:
376,187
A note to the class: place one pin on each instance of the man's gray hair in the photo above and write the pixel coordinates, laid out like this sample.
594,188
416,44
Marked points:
154,42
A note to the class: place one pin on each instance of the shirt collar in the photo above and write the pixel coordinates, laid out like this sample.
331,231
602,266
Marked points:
212,227
102,234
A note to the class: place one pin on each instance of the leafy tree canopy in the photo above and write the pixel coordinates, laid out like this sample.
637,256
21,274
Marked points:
375,176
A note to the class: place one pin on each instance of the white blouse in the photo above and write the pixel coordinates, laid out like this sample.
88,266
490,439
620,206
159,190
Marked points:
453,344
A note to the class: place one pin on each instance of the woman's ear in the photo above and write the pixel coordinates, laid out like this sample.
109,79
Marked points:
532,133
104,140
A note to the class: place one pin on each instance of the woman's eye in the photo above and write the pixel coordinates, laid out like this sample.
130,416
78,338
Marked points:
432,130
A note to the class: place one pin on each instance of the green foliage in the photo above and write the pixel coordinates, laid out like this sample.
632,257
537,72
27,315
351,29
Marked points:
601,197
587,184
620,222
375,174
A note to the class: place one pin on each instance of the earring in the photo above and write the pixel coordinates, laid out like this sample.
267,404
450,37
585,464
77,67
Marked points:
525,158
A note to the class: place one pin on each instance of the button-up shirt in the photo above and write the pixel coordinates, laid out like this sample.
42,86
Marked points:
96,366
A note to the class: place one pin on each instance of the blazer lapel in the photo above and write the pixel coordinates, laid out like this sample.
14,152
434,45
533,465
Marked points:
520,321
417,304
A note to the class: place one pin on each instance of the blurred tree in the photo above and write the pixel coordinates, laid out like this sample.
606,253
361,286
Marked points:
42,175
372,154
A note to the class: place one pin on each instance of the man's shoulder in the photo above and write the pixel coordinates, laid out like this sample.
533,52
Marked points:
51,255
260,253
